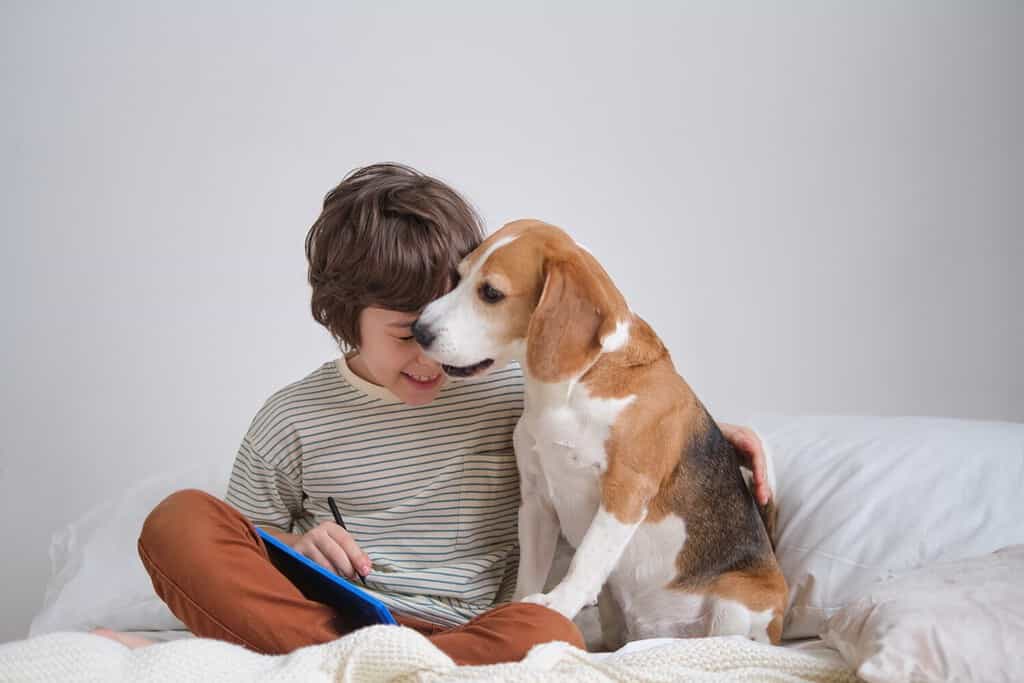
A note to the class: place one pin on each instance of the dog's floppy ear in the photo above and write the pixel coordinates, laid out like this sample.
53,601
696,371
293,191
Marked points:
578,308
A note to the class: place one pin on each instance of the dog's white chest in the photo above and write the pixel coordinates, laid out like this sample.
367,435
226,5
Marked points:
569,431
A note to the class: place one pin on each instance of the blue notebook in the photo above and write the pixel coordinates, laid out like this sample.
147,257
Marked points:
322,585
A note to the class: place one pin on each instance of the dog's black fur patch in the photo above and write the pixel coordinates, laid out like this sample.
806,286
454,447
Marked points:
724,529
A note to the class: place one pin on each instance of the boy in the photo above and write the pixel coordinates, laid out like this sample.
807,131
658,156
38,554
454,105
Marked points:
423,470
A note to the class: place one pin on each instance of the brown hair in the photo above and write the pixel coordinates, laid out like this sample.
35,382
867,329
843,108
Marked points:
388,236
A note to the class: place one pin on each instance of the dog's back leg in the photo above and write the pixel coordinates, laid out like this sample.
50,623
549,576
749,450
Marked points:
749,603
731,618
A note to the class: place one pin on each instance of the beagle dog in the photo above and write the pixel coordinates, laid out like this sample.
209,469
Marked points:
613,448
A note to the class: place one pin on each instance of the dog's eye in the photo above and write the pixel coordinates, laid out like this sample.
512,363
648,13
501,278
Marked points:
490,294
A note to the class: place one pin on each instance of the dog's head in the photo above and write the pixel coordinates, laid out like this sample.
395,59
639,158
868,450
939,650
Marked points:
528,293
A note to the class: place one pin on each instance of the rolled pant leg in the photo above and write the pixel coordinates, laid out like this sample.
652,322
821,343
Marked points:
212,569
506,633
209,565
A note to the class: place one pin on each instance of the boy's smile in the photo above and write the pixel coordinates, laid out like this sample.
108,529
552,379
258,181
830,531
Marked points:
389,357
422,381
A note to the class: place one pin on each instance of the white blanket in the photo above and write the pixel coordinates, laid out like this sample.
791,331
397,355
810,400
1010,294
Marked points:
389,653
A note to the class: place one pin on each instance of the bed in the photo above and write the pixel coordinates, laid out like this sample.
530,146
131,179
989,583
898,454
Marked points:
899,538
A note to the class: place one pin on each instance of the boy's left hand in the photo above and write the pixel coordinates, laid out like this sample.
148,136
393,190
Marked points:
746,441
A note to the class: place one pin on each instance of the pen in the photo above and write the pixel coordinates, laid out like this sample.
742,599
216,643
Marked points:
341,523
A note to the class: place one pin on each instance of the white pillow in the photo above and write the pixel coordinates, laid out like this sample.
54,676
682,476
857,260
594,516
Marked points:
97,578
961,621
864,498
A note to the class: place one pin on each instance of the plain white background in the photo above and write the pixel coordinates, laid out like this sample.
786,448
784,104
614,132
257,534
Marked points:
818,205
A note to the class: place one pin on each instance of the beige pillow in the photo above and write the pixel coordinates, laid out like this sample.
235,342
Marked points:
958,621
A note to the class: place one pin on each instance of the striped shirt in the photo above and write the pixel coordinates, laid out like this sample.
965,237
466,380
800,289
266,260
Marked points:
430,492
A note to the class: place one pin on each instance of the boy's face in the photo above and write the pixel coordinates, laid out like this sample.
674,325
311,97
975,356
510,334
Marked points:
390,357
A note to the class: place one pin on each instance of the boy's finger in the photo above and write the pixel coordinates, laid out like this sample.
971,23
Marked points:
765,490
359,561
318,557
338,558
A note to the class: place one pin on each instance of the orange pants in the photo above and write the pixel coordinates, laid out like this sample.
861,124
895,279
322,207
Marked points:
212,569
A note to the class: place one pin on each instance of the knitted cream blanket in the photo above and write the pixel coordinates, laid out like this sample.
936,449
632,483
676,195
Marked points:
389,653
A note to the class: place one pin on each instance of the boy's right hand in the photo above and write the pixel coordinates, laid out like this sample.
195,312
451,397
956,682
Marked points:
332,547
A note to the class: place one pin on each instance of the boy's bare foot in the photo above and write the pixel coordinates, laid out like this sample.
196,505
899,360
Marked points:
126,639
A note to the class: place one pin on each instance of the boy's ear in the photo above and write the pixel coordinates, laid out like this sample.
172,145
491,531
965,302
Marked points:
572,316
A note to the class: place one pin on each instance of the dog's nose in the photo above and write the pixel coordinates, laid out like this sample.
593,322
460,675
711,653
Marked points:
424,337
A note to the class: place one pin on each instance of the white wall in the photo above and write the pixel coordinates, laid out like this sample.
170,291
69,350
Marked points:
819,205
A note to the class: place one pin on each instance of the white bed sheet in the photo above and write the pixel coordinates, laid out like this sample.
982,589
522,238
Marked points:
814,647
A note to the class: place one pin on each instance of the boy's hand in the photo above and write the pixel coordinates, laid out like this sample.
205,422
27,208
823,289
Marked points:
746,441
332,547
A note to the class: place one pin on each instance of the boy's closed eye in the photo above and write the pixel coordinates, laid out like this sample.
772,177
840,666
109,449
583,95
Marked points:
402,327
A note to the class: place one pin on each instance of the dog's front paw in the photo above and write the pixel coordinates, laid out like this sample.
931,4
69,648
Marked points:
568,603
537,599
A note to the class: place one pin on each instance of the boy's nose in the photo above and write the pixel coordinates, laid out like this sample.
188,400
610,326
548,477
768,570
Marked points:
424,337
